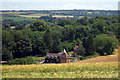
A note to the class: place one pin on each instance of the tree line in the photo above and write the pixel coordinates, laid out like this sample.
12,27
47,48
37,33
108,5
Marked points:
97,35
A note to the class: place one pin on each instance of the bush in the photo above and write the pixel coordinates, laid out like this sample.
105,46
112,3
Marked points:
27,60
82,57
91,56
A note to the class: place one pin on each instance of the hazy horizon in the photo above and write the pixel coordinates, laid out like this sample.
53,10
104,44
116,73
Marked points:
54,9
59,5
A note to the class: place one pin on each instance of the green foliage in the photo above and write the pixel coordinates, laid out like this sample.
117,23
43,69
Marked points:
23,45
27,60
97,34
19,27
105,44
70,53
39,25
82,51
15,18
88,45
7,45
48,39
65,45
65,22
90,56
118,32
6,54
82,57
38,58
69,33
83,21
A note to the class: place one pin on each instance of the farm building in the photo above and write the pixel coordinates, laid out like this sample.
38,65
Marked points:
62,57
12,27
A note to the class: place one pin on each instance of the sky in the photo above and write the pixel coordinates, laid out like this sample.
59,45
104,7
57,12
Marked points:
58,4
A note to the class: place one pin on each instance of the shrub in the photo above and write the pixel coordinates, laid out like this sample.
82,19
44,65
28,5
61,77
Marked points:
82,57
27,60
91,56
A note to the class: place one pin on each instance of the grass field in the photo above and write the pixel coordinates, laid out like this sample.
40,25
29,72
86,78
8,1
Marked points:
66,70
16,18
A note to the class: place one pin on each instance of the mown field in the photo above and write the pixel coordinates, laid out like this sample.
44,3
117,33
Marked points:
62,16
33,15
66,70
13,12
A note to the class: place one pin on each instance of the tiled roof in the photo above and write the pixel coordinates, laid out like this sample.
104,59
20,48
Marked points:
53,54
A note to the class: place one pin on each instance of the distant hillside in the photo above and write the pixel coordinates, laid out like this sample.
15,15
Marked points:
75,12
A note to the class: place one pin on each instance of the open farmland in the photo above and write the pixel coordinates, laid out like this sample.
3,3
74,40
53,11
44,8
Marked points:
16,18
71,70
62,16
13,12
32,38
34,15
110,58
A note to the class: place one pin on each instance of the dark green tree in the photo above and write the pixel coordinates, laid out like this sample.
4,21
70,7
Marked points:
83,21
23,46
39,47
105,44
7,45
88,45
39,25
6,54
65,22
48,39
19,27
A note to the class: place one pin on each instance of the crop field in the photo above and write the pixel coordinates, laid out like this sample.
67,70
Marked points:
65,70
13,12
62,16
34,15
